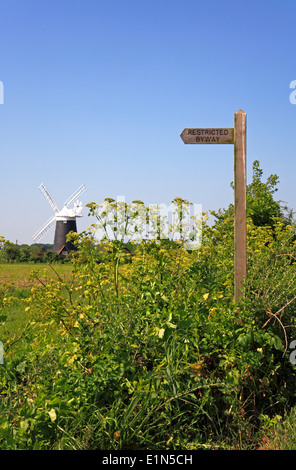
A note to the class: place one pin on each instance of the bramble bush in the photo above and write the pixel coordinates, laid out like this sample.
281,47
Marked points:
144,347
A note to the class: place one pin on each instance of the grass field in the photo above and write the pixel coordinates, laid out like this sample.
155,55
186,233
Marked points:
16,281
19,274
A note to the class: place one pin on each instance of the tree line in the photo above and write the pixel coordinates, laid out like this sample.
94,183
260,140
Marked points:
36,253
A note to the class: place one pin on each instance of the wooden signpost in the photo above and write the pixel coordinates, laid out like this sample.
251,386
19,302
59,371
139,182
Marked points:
237,137
208,136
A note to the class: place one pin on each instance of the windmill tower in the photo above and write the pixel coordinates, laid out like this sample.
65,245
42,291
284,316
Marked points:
65,220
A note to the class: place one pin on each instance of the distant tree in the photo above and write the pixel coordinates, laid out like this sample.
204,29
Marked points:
50,256
37,254
24,253
10,252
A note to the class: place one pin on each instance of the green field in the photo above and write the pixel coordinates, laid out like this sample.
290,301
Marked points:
19,274
16,281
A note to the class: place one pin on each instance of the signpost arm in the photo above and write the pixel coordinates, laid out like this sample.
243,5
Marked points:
240,235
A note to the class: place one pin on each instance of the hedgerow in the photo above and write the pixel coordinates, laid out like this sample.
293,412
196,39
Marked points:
145,348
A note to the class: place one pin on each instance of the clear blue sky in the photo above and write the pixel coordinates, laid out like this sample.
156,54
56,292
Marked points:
98,92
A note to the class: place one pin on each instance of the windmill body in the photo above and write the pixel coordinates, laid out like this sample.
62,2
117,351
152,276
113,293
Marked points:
65,220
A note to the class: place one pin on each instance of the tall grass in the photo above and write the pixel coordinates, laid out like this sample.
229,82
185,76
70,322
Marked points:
279,433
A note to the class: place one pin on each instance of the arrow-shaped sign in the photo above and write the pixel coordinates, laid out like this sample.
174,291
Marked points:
208,136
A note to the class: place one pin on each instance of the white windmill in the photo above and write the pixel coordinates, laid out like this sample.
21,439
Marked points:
65,220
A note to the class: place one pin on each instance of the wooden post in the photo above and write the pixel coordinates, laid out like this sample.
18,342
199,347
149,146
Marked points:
240,231
236,136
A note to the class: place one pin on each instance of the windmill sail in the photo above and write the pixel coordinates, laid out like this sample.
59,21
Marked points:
75,195
48,197
44,228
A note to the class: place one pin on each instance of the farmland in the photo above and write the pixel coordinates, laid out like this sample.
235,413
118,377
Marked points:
16,281
141,345
20,274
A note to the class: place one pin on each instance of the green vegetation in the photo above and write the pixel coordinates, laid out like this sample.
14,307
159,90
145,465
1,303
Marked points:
141,346
36,253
